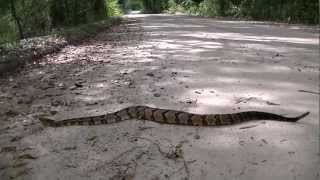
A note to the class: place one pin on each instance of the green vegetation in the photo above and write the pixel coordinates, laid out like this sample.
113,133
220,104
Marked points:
21,19
130,5
292,11
135,5
113,8
154,6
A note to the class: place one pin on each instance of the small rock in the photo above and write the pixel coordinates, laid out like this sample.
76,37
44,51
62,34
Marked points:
264,141
26,122
197,136
62,86
156,94
150,74
53,112
131,85
190,101
174,73
291,152
79,85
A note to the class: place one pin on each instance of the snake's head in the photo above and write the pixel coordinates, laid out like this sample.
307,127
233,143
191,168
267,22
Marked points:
47,121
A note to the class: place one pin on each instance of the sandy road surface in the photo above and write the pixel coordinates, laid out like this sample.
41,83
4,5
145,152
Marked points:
193,64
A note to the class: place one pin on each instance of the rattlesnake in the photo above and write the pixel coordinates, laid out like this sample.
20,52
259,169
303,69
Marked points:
170,117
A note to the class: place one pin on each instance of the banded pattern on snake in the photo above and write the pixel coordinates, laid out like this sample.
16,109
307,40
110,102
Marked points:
170,117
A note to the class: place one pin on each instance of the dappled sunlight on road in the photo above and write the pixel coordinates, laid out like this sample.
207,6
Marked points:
198,65
242,37
171,25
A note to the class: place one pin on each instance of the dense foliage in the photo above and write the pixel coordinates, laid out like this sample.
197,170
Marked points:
297,11
27,18
154,6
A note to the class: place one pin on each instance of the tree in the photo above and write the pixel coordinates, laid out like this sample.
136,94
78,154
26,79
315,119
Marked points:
154,6
16,18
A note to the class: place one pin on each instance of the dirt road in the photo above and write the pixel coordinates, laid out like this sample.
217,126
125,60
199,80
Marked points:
185,63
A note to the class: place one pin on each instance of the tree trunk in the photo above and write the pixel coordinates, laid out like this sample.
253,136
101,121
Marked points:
75,12
16,18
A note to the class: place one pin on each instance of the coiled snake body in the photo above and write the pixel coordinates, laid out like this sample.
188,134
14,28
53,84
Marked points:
170,117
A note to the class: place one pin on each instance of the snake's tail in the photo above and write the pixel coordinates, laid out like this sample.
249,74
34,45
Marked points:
295,119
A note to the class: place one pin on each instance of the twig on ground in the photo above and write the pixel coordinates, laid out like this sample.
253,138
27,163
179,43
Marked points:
311,92
250,126
271,103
